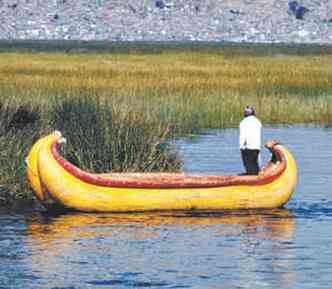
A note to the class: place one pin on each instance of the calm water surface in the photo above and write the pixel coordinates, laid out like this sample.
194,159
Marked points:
285,248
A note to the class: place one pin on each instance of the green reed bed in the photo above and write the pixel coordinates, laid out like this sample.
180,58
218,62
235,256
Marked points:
119,108
193,89
20,127
100,139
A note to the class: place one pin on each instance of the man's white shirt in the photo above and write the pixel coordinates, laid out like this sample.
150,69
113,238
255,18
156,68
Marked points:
250,133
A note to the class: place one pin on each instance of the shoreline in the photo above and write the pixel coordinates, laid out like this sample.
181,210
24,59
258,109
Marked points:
86,46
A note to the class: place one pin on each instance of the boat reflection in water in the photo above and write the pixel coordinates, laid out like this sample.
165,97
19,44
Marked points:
272,224
256,239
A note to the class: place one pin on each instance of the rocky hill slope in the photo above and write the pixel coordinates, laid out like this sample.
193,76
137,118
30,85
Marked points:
302,21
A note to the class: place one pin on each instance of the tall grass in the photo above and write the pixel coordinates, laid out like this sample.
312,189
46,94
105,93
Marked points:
193,89
116,108
20,128
101,140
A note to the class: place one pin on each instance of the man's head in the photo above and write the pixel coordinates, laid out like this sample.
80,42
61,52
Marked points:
248,111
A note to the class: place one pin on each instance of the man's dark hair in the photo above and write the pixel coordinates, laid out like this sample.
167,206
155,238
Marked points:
249,110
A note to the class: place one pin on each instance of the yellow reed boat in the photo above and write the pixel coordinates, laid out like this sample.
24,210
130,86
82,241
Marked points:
57,182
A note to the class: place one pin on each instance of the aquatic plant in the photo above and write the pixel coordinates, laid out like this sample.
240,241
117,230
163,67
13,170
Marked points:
193,89
101,139
21,126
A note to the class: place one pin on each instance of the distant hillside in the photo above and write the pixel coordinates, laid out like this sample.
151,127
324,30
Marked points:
303,21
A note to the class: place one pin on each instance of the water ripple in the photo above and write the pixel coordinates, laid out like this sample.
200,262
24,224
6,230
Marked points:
127,283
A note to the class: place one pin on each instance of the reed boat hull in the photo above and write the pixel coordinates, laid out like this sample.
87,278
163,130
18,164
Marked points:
56,182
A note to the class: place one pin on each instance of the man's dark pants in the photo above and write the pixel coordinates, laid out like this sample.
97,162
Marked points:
250,161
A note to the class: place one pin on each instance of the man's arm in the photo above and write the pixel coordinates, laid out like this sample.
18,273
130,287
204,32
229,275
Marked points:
242,138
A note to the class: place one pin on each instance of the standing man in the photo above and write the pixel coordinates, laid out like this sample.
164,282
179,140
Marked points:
250,140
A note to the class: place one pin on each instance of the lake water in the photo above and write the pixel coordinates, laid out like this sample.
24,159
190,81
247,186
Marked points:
284,248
